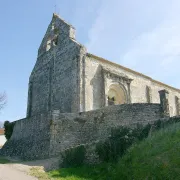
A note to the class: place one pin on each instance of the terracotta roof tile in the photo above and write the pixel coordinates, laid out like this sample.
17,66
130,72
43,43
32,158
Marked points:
1,131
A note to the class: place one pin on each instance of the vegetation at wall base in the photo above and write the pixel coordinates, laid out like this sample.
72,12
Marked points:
134,154
156,157
3,160
97,172
74,157
122,138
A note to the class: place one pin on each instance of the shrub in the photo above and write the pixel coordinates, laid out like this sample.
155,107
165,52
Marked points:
123,137
120,140
8,126
74,157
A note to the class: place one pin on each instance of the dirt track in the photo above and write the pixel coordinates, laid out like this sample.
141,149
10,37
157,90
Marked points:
15,172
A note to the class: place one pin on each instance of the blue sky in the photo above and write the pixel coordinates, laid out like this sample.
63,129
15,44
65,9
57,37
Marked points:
142,35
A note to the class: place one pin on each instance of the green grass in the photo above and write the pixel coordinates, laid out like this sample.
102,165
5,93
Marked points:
37,172
98,172
155,158
101,172
3,160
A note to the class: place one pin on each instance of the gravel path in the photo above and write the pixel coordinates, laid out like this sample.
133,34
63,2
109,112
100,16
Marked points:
19,170
15,172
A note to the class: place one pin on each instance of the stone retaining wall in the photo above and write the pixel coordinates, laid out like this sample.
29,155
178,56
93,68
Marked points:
30,138
47,135
68,130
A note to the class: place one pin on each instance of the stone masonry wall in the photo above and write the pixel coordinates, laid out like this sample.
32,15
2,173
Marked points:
46,135
69,130
30,138
138,87
54,81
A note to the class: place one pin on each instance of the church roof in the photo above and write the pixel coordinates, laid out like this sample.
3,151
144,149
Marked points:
130,70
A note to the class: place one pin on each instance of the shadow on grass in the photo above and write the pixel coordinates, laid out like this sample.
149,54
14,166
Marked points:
103,171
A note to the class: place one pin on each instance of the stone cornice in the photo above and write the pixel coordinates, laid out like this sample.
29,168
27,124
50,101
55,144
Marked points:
114,74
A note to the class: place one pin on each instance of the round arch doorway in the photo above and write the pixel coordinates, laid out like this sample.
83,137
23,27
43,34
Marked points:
117,95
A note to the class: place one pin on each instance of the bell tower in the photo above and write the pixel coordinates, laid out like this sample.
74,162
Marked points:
55,79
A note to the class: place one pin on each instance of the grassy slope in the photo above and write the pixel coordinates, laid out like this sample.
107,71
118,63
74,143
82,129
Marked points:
157,157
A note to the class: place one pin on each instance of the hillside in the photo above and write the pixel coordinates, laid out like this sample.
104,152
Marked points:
157,157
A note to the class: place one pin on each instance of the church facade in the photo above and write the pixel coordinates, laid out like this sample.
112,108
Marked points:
69,79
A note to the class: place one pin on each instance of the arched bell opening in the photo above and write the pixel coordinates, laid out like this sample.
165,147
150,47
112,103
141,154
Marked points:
117,95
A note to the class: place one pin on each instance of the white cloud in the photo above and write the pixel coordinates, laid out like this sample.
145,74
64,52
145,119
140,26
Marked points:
146,38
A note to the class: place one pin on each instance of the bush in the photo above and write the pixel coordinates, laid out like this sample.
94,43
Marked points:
156,157
120,140
123,137
8,126
74,157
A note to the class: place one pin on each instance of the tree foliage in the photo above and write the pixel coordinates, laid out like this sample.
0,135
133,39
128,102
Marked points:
8,126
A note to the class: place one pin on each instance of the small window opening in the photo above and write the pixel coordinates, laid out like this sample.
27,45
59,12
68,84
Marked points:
111,101
55,41
48,46
148,94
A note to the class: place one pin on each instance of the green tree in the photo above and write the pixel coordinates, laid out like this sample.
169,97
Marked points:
8,126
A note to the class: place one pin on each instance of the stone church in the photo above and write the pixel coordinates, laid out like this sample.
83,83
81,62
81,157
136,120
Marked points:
68,78
67,83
